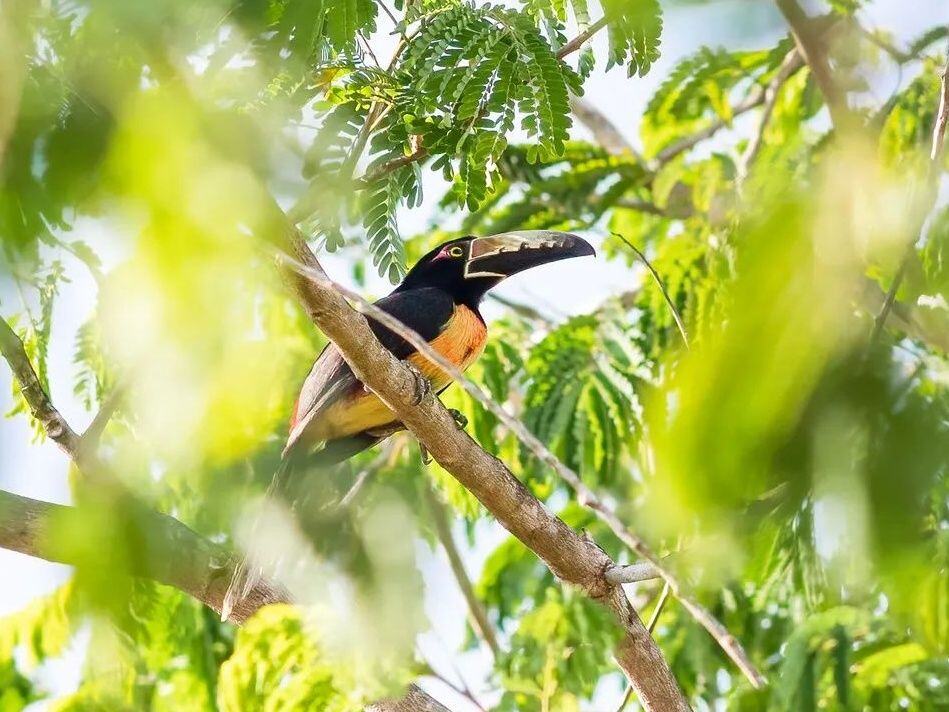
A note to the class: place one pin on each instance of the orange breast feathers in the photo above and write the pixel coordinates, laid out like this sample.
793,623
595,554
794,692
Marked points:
461,341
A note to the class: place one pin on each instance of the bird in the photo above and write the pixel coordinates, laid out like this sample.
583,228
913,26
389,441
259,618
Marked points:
439,298
336,417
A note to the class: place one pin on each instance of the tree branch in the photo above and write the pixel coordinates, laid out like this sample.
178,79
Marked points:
522,309
374,174
931,189
578,41
604,131
478,616
789,65
53,423
414,701
172,553
632,573
754,99
570,557
811,46
92,434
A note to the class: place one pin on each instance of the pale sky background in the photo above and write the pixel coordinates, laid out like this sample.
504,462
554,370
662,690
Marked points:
39,471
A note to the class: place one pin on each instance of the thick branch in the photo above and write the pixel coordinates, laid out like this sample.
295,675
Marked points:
572,558
414,701
172,553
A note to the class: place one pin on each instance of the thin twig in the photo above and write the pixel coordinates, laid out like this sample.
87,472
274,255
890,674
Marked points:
790,64
931,187
357,486
662,287
898,55
463,689
387,11
632,573
657,611
578,41
478,616
585,496
380,171
644,206
522,309
755,98
111,403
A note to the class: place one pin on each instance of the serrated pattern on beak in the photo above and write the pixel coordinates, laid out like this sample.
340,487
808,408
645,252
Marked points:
558,245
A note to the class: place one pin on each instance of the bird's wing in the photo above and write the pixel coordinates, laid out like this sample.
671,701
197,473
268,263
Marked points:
424,310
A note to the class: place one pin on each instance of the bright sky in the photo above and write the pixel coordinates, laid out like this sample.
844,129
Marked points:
40,471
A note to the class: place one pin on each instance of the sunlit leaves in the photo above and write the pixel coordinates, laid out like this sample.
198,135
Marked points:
634,29
698,91
184,334
560,651
907,130
581,393
276,665
42,629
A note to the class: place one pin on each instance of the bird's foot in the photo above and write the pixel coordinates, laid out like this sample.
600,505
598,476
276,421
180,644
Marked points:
461,420
422,385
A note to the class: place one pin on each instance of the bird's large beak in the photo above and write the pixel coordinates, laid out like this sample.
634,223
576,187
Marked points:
511,252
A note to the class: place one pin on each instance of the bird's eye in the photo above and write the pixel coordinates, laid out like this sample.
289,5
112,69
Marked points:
455,251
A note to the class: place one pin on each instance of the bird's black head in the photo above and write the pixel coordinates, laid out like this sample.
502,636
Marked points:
468,267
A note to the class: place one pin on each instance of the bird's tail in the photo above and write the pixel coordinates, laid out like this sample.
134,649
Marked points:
248,574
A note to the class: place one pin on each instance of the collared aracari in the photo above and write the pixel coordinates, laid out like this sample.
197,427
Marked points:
439,299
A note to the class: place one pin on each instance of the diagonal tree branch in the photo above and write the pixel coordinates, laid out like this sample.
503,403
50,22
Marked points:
789,65
415,700
581,39
930,191
811,45
754,99
478,616
604,131
53,423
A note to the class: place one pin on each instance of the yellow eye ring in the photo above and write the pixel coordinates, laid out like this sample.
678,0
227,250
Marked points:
455,252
